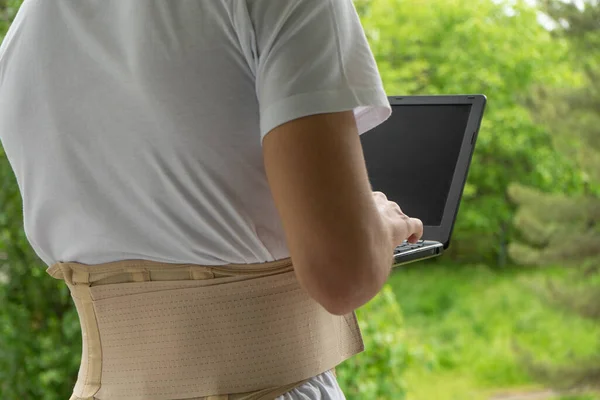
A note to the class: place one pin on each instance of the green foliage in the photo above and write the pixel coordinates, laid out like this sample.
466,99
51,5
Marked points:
491,47
471,317
548,221
40,338
566,229
378,373
578,397
8,10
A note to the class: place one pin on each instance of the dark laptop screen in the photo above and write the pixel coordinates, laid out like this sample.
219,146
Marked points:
412,156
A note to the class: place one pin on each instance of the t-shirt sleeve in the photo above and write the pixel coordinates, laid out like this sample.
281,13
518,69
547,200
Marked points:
312,57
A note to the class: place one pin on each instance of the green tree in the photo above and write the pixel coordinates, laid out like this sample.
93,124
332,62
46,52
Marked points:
479,46
562,229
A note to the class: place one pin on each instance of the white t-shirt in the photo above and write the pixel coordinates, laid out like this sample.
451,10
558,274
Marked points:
134,128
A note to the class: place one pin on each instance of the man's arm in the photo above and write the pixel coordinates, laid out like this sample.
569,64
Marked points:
313,71
338,240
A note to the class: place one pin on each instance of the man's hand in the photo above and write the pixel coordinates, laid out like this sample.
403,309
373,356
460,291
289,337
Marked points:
401,226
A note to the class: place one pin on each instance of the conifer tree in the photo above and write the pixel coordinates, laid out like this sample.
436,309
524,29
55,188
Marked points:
565,230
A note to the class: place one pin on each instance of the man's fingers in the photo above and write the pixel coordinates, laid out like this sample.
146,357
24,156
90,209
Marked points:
403,227
415,230
380,195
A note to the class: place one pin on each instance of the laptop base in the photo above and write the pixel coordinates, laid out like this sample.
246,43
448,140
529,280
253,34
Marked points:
407,253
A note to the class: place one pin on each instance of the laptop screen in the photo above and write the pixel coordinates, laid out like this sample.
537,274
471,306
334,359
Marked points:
412,156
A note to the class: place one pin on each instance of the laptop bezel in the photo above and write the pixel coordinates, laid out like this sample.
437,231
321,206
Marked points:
443,232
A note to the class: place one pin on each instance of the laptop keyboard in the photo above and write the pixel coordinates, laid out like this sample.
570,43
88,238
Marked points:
404,247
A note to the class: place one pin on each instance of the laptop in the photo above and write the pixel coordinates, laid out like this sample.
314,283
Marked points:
420,158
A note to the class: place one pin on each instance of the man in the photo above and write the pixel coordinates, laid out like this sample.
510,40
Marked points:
205,133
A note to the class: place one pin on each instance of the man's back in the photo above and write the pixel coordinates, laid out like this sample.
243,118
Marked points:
141,116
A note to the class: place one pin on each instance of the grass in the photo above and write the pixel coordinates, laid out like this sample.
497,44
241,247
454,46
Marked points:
472,316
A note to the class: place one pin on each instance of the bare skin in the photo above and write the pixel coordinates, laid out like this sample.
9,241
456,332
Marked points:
341,235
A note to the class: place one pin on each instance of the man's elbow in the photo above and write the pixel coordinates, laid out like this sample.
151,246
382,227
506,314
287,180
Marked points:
339,306
343,300
343,288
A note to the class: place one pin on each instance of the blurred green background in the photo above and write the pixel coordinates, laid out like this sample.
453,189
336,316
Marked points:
512,311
